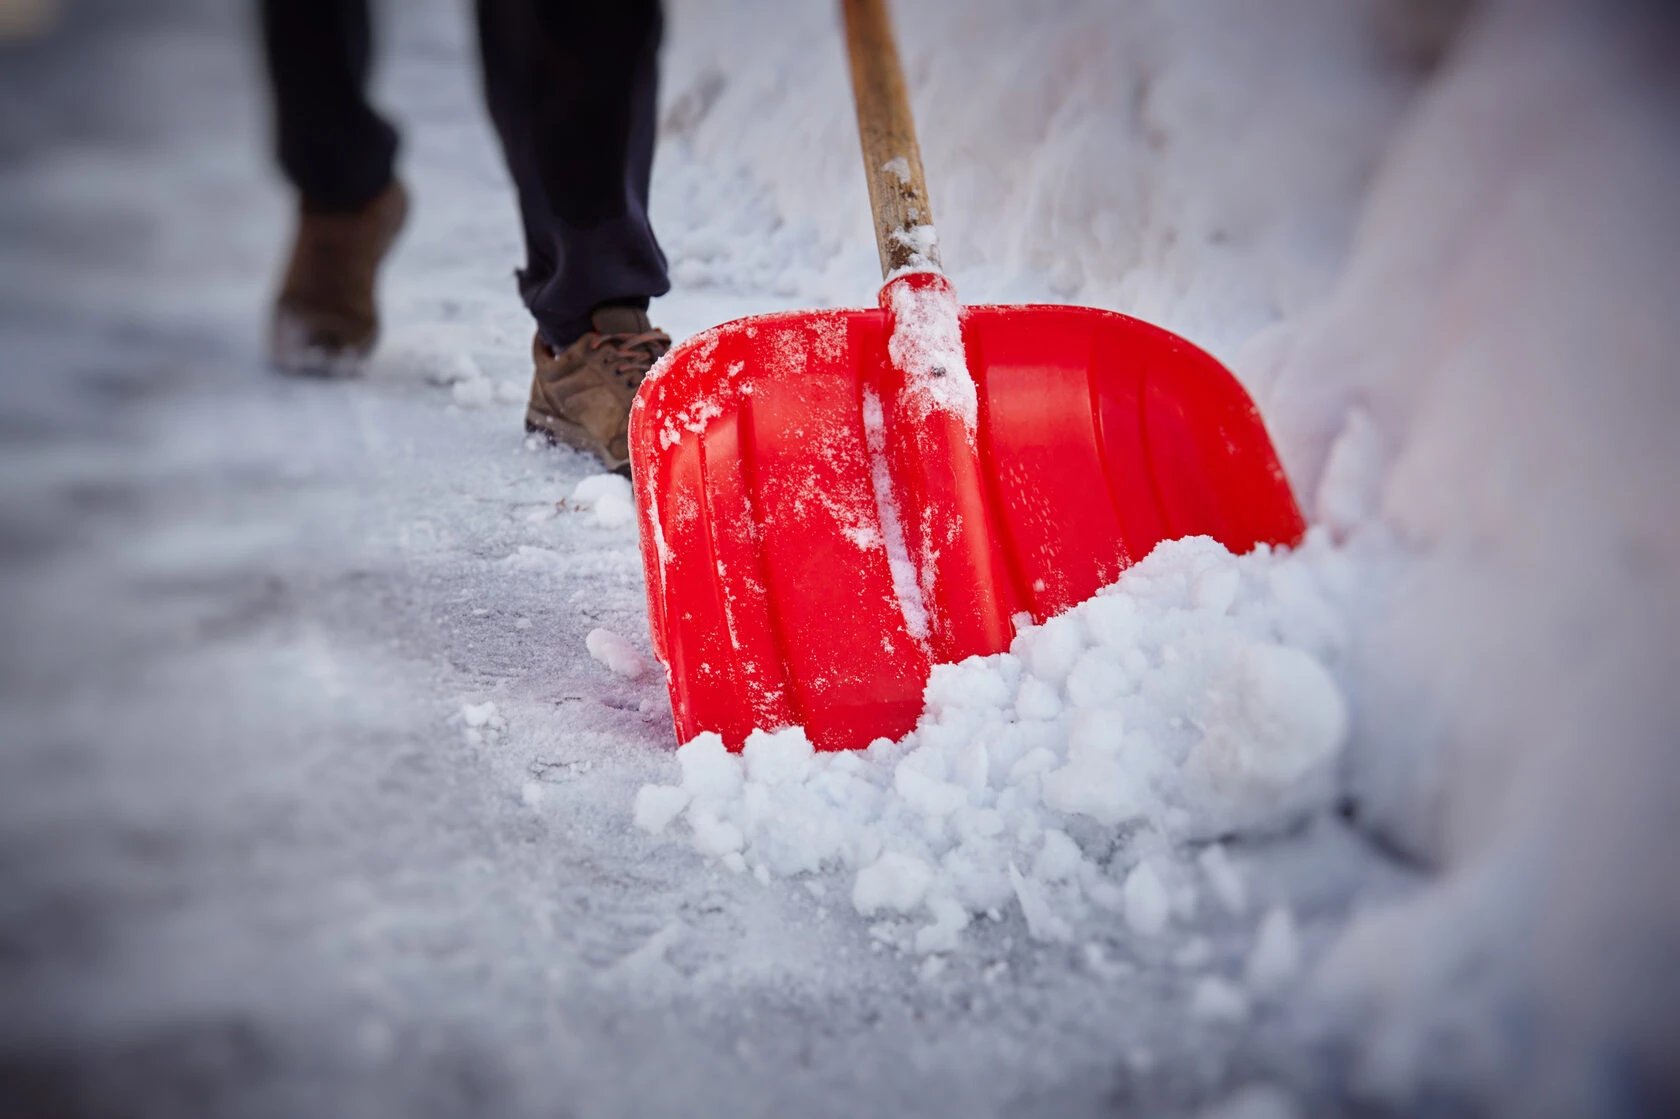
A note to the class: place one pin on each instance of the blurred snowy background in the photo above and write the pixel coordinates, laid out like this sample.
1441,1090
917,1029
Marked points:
314,800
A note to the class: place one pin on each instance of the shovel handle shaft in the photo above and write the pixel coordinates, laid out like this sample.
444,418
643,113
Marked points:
892,161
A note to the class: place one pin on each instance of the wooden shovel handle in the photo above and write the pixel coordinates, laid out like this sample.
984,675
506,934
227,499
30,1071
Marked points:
892,161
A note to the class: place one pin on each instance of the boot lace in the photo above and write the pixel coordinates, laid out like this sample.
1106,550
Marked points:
632,355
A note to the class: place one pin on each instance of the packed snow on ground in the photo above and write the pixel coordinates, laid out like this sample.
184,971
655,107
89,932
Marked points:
328,710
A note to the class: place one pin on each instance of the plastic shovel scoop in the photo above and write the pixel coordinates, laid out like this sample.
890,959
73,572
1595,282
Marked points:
832,502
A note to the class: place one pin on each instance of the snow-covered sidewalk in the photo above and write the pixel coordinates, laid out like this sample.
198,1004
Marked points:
326,718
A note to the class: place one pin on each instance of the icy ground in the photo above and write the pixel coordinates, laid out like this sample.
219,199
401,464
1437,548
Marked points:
321,718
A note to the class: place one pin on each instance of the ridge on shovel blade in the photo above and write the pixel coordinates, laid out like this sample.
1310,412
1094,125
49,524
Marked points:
813,545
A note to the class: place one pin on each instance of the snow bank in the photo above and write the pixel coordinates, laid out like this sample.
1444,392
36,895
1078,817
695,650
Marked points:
1479,405
1191,699
1489,401
1198,165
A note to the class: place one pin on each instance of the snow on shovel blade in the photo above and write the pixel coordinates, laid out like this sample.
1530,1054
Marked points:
816,536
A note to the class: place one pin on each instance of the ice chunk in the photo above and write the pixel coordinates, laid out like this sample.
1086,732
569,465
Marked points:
1276,956
1256,1101
1215,1000
1095,786
782,757
714,836
1059,859
1037,699
895,881
607,497
658,805
1042,922
1216,589
1095,680
616,653
1051,650
925,794
482,715
1223,878
949,920
708,768
1148,904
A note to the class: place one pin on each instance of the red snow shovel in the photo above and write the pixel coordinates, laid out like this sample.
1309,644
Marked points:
832,502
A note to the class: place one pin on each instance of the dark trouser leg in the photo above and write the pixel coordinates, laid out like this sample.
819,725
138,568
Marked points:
333,147
572,87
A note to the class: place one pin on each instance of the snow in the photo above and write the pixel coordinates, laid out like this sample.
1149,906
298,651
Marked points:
1215,1000
895,881
1209,724
607,498
1276,956
1148,907
926,345
313,797
903,570
1255,1101
616,653
1223,878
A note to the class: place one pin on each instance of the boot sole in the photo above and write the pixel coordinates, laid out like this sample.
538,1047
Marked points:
575,437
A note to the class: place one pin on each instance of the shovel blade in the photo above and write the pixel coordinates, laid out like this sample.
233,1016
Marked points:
812,549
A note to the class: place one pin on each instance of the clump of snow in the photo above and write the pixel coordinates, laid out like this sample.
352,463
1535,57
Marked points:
1223,879
1148,906
607,497
895,881
1276,956
1213,999
1348,490
921,240
926,345
1254,1101
1062,777
616,653
481,723
436,355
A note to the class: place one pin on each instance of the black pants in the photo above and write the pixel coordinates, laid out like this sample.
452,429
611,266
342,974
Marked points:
572,88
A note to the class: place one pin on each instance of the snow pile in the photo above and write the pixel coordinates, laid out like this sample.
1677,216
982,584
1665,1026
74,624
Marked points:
1197,165
1189,700
1507,323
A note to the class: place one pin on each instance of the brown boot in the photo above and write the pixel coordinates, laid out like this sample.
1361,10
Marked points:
581,396
325,321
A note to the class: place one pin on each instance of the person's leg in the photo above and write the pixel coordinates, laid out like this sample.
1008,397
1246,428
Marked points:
332,146
338,154
572,88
